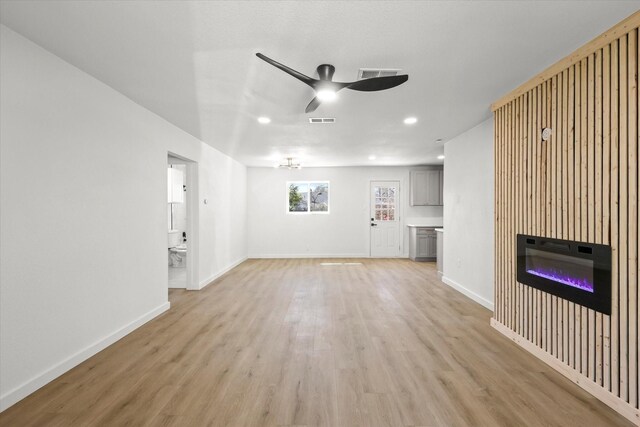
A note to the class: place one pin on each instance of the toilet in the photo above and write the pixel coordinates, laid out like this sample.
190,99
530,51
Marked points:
178,255
177,249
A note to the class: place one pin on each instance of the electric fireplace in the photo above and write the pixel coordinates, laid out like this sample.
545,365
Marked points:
576,271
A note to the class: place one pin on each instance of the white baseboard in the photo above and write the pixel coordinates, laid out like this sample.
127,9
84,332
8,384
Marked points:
477,298
610,399
213,277
22,391
326,256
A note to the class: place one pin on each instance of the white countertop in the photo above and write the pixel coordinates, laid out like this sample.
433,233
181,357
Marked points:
422,226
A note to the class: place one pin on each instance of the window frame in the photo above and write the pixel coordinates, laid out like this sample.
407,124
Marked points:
308,211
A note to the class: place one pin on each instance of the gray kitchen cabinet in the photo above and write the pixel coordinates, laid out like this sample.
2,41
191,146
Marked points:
423,245
426,187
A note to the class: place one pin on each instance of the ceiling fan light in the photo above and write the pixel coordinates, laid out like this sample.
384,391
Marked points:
290,165
326,95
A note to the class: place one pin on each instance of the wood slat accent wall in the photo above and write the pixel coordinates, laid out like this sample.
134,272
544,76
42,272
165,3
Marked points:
581,185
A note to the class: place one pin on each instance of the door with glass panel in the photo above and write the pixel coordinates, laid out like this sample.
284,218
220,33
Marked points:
384,224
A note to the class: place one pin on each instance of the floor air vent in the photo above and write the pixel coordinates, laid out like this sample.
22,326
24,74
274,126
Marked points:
368,73
321,120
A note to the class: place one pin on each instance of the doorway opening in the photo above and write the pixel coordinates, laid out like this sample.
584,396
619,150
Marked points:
181,233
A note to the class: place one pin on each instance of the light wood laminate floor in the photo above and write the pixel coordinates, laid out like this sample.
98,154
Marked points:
292,342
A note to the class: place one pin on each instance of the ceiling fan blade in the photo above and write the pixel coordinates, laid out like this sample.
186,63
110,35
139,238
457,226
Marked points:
305,79
315,103
378,83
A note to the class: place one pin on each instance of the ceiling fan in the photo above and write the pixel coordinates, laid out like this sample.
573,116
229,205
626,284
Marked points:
326,89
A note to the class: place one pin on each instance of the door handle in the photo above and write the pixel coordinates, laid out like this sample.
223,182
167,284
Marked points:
374,225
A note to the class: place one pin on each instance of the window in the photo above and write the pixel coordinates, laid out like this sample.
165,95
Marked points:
385,208
308,196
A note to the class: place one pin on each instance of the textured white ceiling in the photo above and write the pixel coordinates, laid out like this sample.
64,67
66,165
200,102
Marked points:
194,64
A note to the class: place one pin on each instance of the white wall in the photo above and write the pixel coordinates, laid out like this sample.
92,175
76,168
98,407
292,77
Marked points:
468,213
83,215
223,219
344,232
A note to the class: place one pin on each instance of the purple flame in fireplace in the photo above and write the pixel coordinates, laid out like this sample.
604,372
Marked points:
561,277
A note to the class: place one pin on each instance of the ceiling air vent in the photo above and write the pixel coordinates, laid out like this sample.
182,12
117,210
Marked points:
368,73
321,120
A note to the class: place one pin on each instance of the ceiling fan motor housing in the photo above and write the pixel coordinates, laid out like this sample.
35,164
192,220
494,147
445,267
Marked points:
325,71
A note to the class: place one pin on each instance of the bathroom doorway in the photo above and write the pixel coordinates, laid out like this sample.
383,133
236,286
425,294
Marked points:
181,197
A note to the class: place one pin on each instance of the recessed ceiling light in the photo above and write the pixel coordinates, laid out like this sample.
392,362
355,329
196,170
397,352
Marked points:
410,120
372,157
264,120
326,95
441,157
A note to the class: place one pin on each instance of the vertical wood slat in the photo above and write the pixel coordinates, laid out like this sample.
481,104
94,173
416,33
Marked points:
520,201
637,150
522,168
511,214
606,168
598,363
632,177
622,221
500,220
577,175
535,217
591,205
503,230
515,208
500,224
565,200
571,213
584,203
497,217
614,167
553,208
500,217
543,205
581,185
530,187
516,205
497,150
547,213
500,213
504,215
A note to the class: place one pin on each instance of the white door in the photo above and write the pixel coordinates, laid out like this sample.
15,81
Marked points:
384,220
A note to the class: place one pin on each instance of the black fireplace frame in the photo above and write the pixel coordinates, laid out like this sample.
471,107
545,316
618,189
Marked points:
599,299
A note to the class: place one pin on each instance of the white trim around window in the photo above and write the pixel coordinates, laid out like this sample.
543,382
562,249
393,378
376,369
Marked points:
317,202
